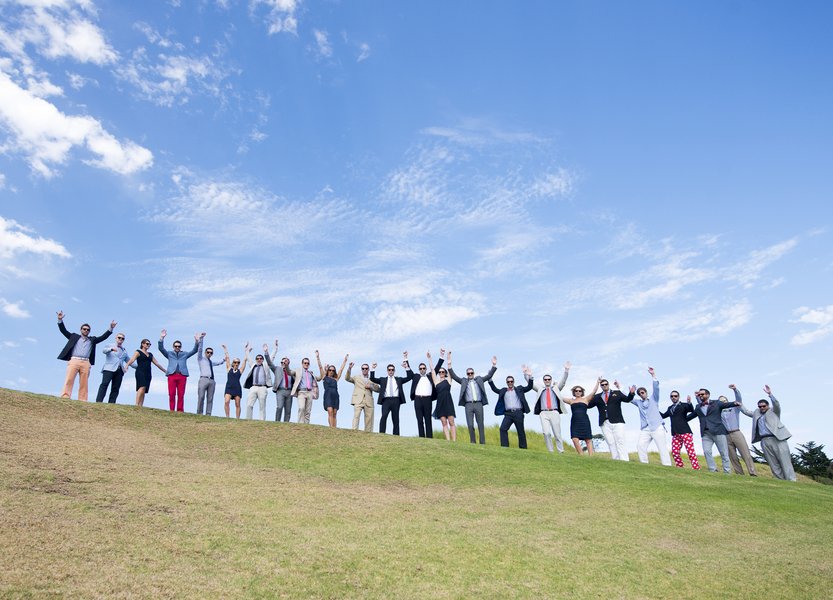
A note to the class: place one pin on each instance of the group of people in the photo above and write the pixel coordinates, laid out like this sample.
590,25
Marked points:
430,393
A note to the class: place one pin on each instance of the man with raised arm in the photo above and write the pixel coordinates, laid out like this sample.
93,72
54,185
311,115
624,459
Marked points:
79,352
712,430
680,414
611,420
473,396
362,399
392,393
423,395
258,383
207,384
768,429
735,440
283,379
651,425
550,408
305,389
512,404
112,373
177,370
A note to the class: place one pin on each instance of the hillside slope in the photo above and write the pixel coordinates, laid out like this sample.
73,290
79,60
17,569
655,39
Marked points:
116,501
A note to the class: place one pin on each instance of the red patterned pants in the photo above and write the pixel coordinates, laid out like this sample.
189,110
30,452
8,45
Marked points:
678,441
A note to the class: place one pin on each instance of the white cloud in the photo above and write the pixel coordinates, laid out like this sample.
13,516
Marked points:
560,183
170,79
748,271
821,318
46,136
323,46
281,15
14,309
364,52
57,29
15,239
246,216
704,320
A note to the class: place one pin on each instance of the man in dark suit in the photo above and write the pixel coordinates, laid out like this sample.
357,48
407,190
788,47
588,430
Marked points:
512,404
712,430
423,395
79,353
392,394
681,413
473,396
611,420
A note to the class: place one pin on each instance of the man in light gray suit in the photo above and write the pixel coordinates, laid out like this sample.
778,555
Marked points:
473,396
282,386
549,408
771,433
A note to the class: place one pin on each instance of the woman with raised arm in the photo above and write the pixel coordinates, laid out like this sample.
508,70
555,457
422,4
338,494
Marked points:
329,380
233,389
143,359
444,410
580,428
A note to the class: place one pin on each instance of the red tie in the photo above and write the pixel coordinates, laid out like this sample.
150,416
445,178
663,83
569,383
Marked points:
286,379
606,395
549,400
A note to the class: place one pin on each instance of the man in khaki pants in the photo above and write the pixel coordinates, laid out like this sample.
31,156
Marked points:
79,353
735,439
362,399
305,389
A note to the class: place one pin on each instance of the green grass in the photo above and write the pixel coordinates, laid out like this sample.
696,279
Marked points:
117,501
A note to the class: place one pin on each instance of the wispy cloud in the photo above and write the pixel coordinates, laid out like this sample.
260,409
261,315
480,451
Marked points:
364,52
14,310
16,239
281,15
323,47
820,318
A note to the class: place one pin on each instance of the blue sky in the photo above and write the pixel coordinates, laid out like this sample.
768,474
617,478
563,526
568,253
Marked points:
616,184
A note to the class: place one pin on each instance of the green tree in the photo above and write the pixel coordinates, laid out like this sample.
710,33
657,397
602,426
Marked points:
811,460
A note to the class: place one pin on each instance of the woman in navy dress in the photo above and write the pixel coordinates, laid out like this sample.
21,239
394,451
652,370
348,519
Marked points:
580,428
329,381
143,359
233,389
444,411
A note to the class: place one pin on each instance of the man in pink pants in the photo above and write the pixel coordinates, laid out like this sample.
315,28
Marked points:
177,369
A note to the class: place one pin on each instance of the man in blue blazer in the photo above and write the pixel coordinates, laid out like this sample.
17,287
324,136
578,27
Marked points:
512,404
712,430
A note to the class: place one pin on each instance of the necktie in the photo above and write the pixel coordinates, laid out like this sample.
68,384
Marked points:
307,382
549,400
390,387
473,387
211,366
286,380
606,395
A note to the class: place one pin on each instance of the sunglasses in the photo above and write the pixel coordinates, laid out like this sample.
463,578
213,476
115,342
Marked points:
469,372
119,337
442,372
675,395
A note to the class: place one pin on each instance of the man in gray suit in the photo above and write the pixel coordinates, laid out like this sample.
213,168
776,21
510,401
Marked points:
712,430
771,433
473,396
282,386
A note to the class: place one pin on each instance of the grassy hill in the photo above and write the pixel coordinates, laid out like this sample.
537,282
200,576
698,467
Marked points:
116,501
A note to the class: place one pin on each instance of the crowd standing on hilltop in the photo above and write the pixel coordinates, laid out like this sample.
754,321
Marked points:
431,394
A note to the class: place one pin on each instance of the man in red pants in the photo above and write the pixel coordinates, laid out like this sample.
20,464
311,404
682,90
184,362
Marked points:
177,370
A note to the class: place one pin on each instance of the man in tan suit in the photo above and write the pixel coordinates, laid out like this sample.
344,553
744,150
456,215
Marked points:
362,399
305,389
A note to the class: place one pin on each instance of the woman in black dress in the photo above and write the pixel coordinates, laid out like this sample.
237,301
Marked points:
233,389
143,359
329,380
580,423
444,411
